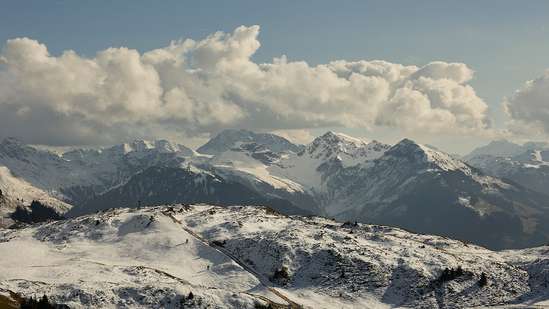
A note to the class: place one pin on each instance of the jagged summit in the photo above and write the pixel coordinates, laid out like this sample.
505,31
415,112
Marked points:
344,148
161,145
134,147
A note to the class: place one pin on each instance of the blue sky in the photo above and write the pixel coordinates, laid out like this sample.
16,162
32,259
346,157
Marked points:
505,42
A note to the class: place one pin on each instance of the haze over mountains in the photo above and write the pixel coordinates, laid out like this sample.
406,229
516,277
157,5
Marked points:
407,184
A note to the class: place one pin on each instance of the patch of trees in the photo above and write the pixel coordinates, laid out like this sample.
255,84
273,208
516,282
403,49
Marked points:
219,243
449,274
349,224
483,281
270,211
281,275
42,303
190,300
37,212
262,306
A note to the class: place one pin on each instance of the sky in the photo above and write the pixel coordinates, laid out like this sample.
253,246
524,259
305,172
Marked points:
454,74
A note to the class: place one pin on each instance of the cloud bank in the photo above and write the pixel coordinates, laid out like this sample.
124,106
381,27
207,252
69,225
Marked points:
196,87
528,108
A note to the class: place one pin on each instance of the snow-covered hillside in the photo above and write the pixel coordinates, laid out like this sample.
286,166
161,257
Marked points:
16,188
248,257
16,192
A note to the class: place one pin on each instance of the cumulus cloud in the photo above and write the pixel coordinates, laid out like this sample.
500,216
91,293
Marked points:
196,87
528,108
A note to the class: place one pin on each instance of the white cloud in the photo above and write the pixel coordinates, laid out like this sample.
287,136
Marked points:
528,108
195,87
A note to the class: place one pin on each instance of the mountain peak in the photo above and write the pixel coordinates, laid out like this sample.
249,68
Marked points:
419,153
407,141
335,137
229,138
345,148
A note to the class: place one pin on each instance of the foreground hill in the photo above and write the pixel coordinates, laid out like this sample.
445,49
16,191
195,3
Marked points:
247,257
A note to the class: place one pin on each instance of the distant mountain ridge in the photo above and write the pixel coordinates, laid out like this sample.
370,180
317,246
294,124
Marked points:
527,165
505,148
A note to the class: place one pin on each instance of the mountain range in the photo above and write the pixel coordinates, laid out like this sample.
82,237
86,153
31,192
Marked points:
407,184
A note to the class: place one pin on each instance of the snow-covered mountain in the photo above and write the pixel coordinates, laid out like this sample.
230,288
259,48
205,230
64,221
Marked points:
528,167
408,184
428,191
77,175
306,171
324,156
230,138
248,257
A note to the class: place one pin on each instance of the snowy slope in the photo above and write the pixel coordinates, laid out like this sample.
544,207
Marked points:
16,192
79,174
16,188
243,162
312,166
122,259
239,257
